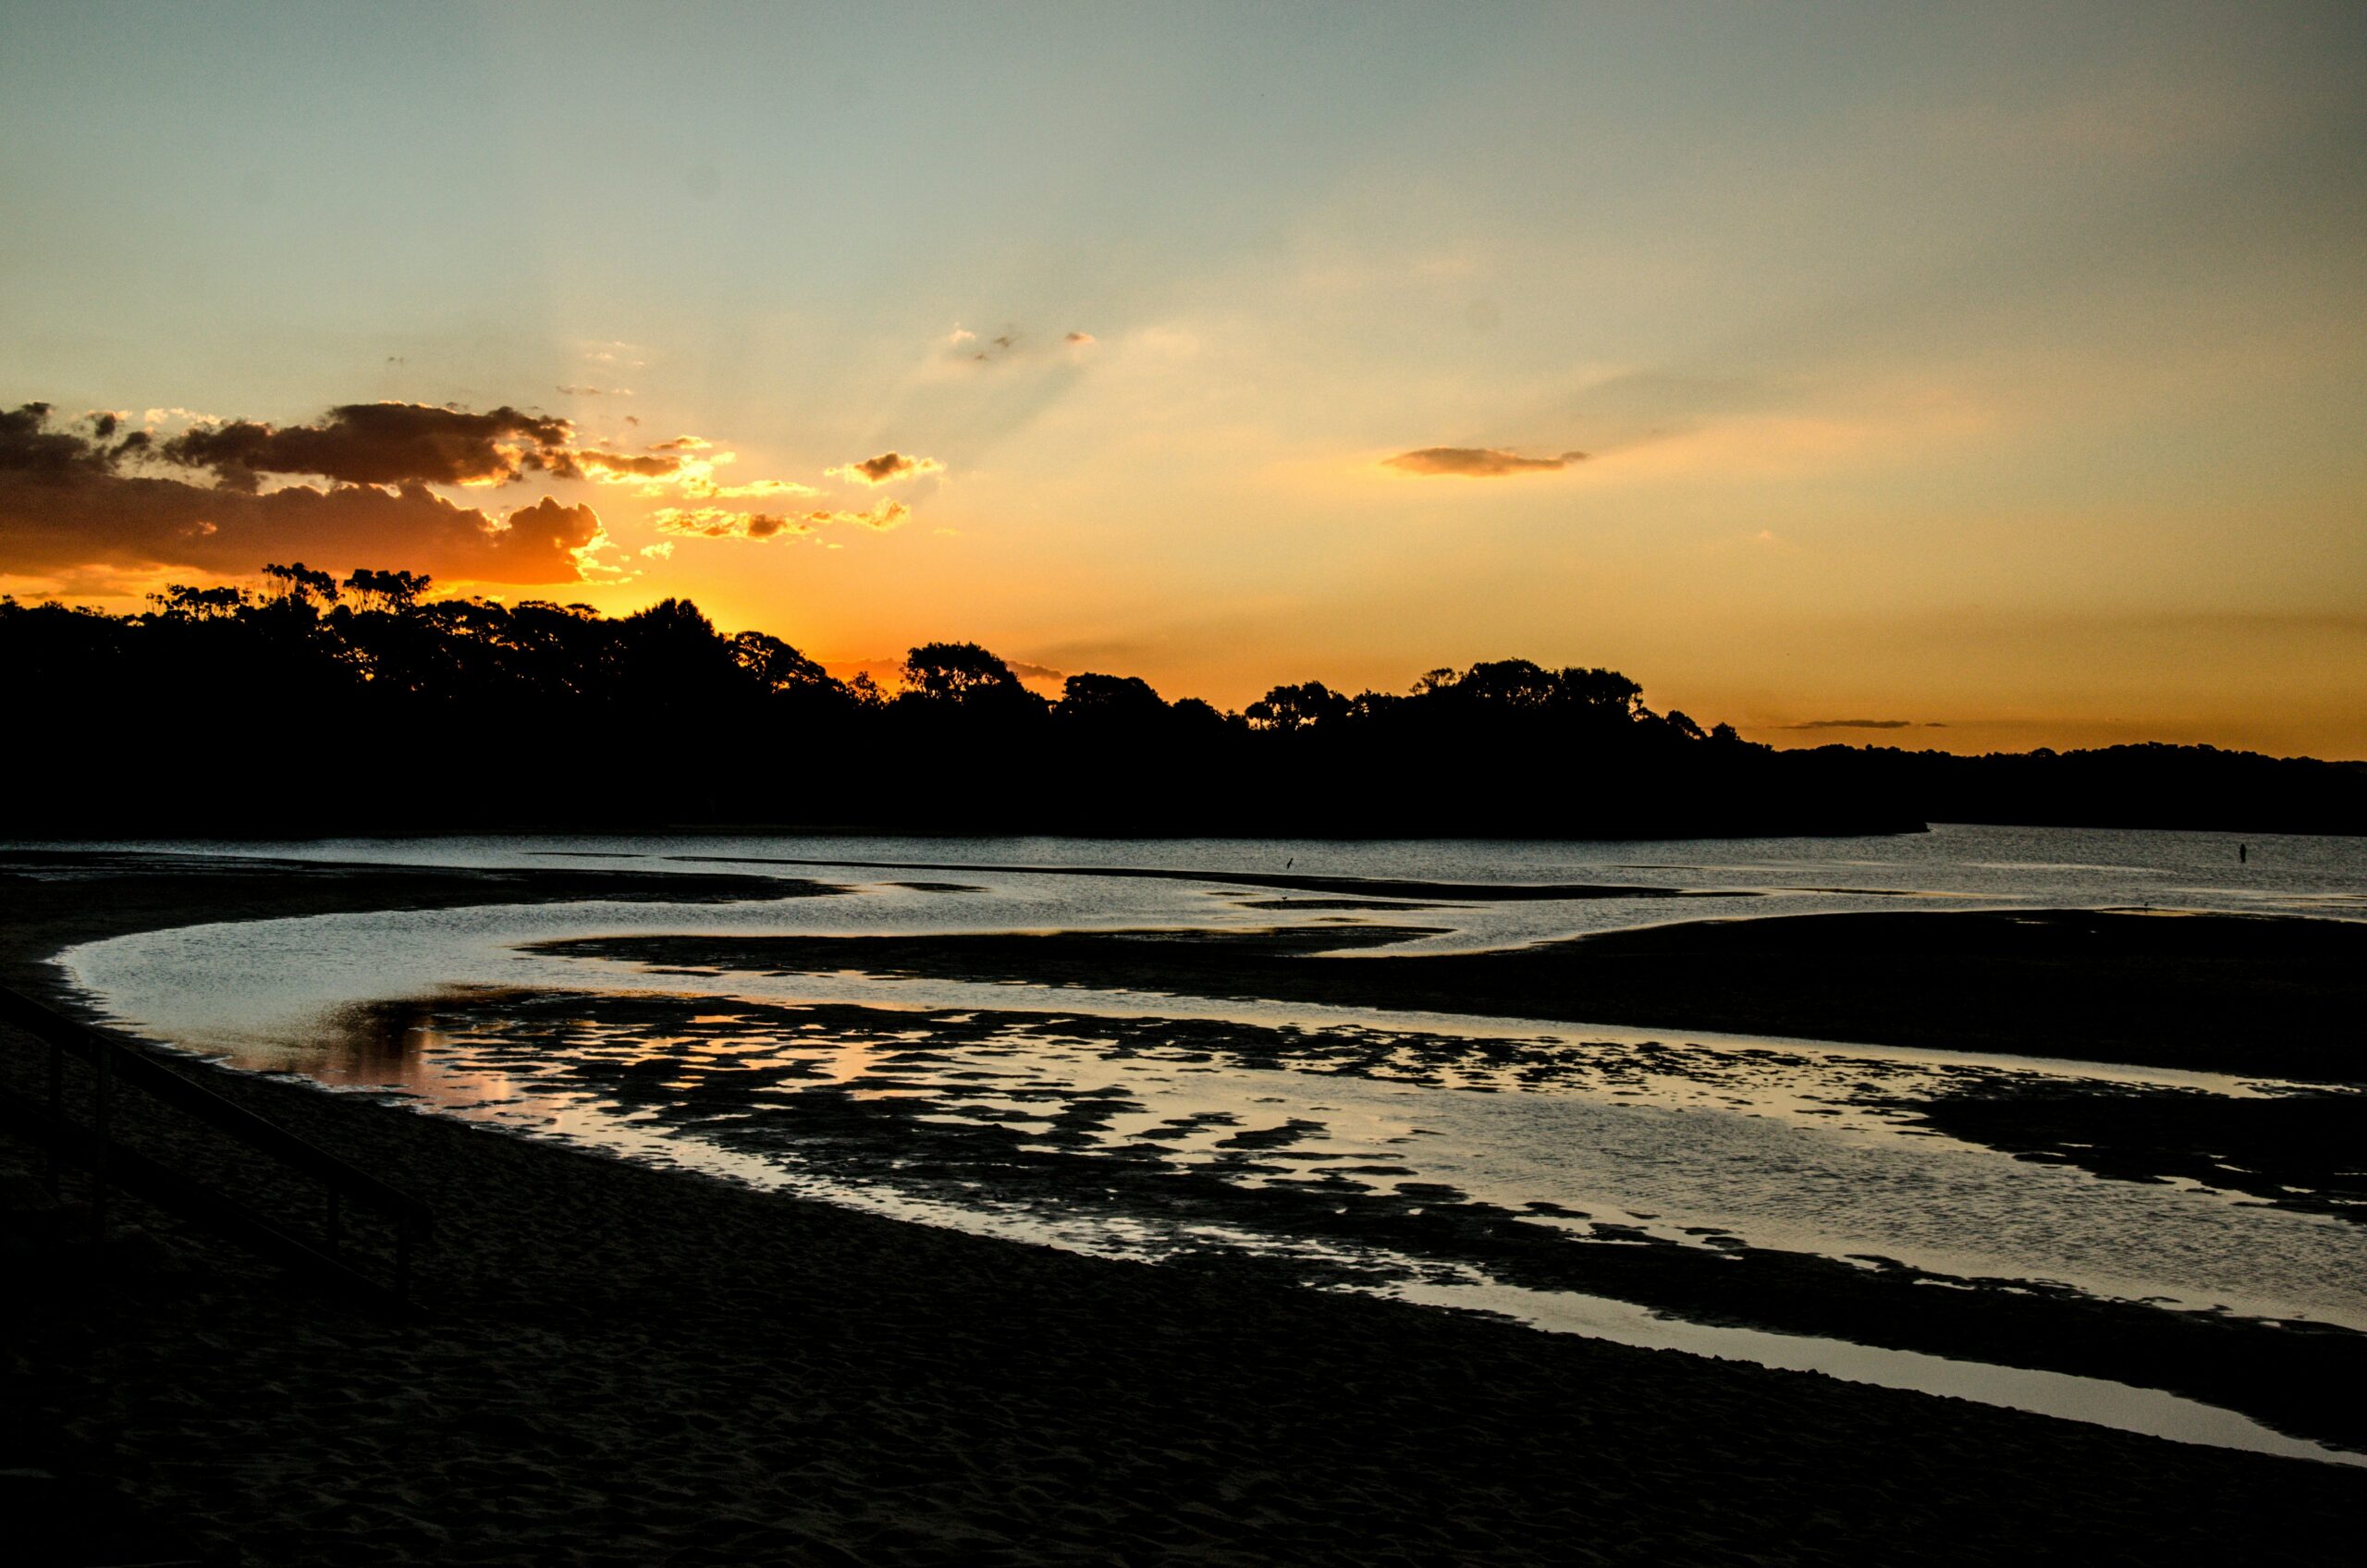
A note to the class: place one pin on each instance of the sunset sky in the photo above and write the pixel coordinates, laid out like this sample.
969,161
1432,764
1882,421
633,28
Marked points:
1998,374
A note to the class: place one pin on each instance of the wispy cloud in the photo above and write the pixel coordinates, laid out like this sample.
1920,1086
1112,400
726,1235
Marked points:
717,522
1862,724
1478,462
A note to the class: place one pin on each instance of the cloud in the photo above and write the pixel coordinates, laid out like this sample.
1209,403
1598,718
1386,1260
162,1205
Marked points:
154,417
884,469
717,522
1079,338
596,391
660,551
880,518
699,487
379,443
1856,724
1477,462
616,468
67,504
964,344
684,443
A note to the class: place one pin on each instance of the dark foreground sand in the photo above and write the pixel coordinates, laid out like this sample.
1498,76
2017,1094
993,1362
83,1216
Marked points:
613,1364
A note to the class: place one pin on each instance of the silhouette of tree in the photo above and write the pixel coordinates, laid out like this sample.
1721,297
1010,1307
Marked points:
1109,699
962,674
178,601
776,666
298,584
1290,709
1600,692
366,704
1505,683
389,593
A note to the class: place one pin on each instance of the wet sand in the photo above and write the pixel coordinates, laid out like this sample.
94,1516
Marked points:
2275,997
611,1364
1354,887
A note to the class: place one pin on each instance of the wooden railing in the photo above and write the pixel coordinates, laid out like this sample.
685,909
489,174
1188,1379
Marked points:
118,1064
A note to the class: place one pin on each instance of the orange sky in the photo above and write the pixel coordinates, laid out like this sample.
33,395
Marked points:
1991,380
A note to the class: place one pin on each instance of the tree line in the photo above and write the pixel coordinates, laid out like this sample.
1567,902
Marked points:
364,704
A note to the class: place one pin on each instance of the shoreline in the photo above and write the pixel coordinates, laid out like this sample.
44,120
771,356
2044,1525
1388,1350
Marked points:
622,1364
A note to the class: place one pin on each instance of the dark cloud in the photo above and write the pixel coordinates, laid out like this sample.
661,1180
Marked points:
381,443
67,504
884,468
1478,462
682,444
29,447
1858,724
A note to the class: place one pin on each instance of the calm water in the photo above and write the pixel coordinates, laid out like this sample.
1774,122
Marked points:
1143,1125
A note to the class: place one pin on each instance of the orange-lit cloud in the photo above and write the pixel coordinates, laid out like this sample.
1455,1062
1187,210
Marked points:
882,517
67,505
684,443
696,483
885,469
1478,462
717,522
615,468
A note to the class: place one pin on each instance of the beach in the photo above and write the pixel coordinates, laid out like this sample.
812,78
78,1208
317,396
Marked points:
608,1363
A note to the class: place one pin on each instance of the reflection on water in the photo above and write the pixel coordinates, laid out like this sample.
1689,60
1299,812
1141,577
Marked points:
1357,1164
1394,1148
1687,1143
